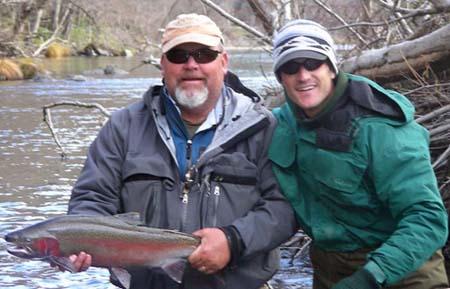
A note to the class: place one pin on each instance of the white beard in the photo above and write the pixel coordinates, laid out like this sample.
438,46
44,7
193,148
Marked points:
191,99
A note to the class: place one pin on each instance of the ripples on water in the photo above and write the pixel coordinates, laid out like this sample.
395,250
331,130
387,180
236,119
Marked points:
35,183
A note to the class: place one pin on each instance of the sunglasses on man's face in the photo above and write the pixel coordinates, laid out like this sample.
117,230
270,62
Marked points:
292,67
201,56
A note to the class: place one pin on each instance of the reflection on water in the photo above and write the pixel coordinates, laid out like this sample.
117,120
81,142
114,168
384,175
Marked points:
35,183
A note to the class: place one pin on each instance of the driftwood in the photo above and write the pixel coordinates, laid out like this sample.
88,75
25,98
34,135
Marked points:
150,60
403,58
48,117
298,245
432,103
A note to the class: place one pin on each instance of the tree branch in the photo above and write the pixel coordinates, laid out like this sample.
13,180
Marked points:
331,12
54,35
238,22
48,117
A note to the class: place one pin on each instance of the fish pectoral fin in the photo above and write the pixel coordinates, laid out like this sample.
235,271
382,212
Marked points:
175,269
63,262
120,277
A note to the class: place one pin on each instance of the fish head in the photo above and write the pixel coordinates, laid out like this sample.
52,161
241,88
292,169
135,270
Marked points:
32,242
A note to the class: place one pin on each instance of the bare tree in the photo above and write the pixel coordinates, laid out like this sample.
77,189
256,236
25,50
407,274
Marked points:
24,12
56,13
36,20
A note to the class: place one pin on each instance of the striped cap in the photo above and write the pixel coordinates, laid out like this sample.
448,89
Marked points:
302,39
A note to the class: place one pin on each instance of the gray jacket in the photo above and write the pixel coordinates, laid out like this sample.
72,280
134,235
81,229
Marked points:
131,167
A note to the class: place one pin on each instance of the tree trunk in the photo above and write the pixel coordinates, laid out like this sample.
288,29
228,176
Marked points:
393,62
68,25
36,21
22,14
56,13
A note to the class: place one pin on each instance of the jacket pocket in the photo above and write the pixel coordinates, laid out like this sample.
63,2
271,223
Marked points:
231,191
338,177
145,185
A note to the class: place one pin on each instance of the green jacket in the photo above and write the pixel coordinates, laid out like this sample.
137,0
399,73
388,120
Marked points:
359,176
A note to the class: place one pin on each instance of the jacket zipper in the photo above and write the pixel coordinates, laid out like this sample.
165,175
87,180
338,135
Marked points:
216,204
188,181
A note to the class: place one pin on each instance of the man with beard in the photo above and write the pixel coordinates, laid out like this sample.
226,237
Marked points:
192,156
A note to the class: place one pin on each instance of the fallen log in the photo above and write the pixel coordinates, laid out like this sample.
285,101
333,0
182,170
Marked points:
397,61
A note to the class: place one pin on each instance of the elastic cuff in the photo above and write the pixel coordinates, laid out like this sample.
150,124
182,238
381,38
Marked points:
376,272
234,242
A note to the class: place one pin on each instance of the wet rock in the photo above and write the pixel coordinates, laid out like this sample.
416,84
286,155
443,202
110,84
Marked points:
77,77
112,70
42,77
126,53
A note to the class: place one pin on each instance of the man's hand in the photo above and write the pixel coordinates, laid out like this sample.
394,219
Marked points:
81,262
361,279
213,254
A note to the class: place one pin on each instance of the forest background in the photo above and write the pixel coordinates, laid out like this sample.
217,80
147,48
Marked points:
382,39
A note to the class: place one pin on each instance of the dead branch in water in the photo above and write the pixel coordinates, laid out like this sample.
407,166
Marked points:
48,117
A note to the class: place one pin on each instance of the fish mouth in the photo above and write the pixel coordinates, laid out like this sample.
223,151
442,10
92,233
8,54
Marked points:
21,251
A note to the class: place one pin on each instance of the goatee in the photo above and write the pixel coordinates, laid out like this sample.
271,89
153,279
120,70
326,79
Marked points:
191,99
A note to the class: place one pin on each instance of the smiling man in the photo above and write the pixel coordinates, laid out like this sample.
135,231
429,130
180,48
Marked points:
192,156
356,167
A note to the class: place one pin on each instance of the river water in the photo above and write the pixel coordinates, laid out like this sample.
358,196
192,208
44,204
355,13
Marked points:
35,182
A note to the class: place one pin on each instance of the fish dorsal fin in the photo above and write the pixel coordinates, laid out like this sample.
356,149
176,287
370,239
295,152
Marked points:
175,269
132,218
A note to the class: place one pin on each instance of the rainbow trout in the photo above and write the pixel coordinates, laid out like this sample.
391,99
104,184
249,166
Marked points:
114,242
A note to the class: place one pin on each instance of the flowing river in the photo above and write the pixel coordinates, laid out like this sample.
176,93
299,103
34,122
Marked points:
35,182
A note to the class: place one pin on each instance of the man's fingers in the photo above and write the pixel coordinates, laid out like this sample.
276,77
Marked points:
213,254
73,258
82,262
194,258
87,263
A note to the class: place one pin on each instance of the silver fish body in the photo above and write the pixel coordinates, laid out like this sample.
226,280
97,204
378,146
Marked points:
114,242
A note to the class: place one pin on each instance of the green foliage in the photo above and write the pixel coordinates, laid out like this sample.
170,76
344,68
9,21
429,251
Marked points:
29,70
105,37
7,21
42,35
81,35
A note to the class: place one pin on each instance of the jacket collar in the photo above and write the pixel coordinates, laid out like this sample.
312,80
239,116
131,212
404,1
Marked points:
240,114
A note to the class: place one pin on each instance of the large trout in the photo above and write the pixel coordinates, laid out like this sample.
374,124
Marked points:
114,242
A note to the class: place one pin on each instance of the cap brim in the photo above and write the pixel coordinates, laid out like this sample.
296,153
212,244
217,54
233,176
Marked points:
203,39
300,54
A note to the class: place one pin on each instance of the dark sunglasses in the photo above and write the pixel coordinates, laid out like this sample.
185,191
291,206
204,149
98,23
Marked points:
203,55
292,67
